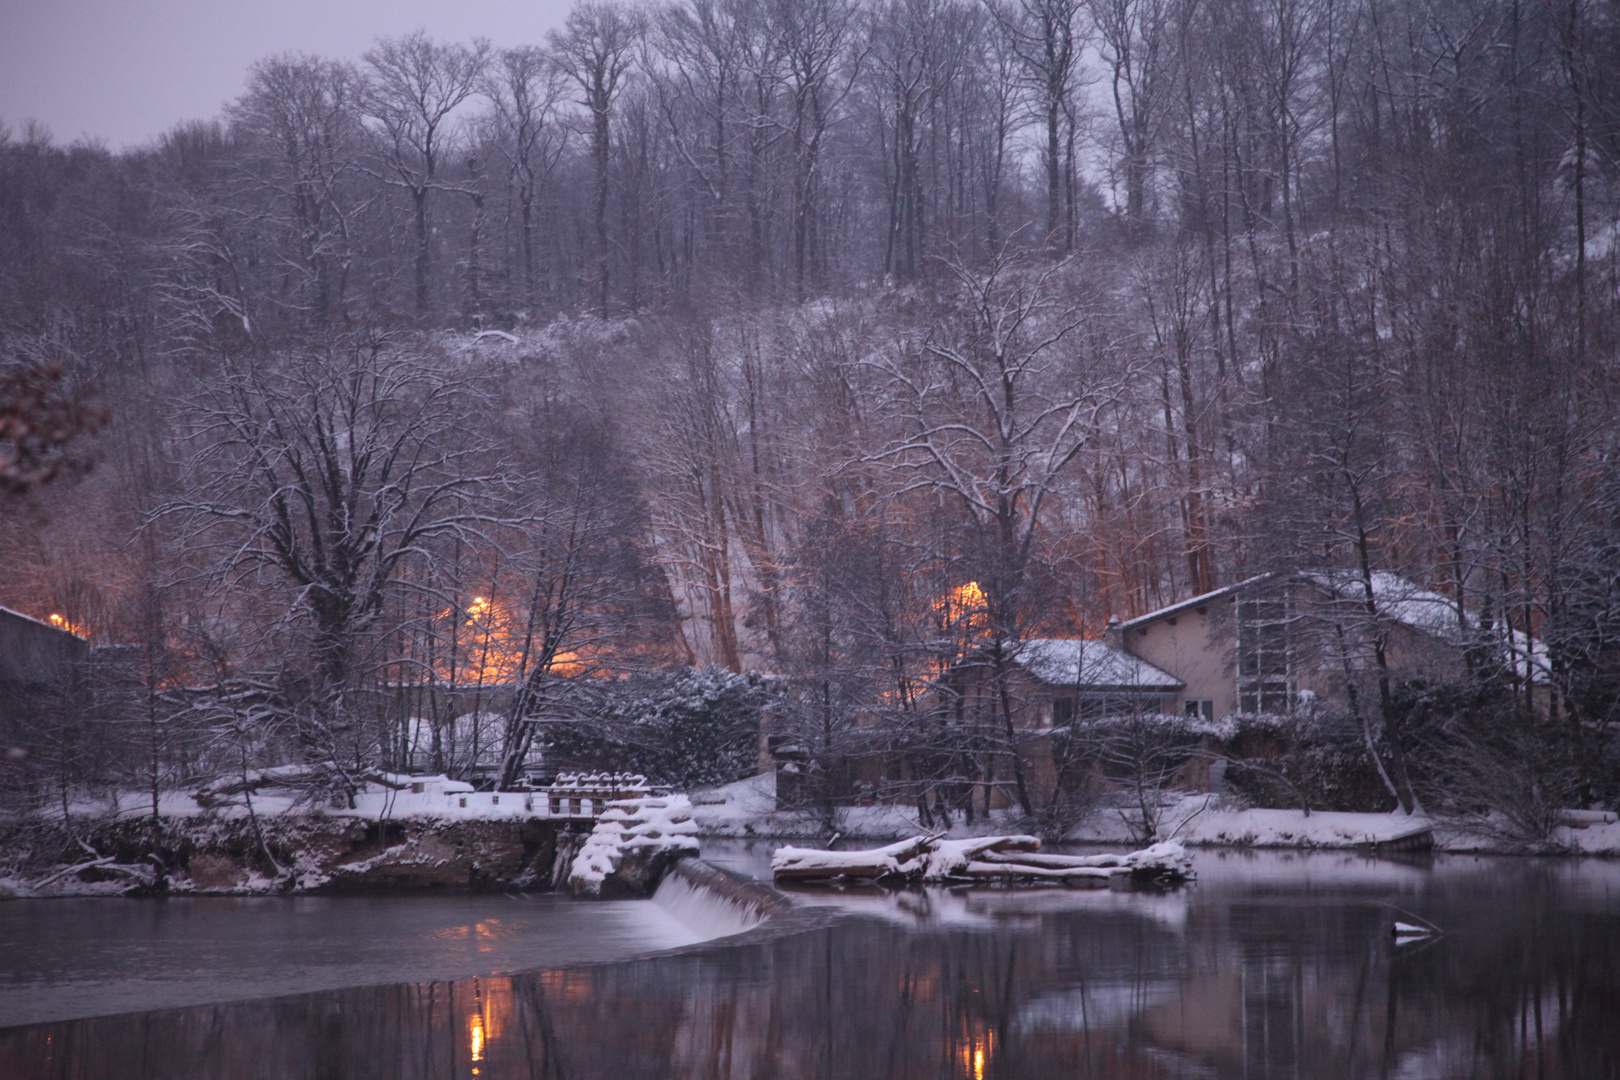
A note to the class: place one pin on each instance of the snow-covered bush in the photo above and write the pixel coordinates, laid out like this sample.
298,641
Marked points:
1315,760
687,727
1475,751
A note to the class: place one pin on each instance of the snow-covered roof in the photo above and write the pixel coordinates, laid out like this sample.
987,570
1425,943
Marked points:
1410,604
1398,600
1092,664
1195,601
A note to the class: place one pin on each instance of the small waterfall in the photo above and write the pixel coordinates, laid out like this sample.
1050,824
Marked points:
713,903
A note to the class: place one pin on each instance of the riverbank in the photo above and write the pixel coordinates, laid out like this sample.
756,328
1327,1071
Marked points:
747,810
464,841
311,852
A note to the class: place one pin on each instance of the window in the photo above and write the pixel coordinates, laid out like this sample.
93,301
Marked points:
1107,706
1199,708
1062,711
1265,669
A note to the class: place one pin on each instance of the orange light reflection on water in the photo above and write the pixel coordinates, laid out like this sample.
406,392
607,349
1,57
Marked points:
487,1016
977,1051
475,1039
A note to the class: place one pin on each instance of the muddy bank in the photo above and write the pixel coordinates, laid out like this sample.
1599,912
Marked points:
286,854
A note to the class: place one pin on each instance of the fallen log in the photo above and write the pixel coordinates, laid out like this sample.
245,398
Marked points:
1014,872
917,858
1057,862
814,864
1003,859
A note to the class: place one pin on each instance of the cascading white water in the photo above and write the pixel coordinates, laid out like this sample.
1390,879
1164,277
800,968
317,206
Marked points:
707,912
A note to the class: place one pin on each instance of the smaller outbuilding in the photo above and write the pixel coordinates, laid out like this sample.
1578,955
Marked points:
39,662
36,654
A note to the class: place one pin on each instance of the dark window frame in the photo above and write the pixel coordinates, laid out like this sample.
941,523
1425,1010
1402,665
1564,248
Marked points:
1266,677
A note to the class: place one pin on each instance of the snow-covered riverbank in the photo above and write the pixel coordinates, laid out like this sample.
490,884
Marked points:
445,835
748,809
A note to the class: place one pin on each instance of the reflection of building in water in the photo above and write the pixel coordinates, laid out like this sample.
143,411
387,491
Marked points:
1273,1016
1274,984
1257,1008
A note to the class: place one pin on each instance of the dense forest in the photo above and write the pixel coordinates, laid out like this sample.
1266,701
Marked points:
828,340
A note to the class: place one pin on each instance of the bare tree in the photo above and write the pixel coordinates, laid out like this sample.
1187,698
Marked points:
301,128
592,598
992,406
595,49
816,73
331,472
415,84
704,46
1136,45
1045,36
525,88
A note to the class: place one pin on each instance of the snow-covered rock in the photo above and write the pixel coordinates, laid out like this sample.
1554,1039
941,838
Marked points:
631,844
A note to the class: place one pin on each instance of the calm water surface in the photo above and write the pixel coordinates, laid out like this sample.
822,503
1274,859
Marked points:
1272,966
69,958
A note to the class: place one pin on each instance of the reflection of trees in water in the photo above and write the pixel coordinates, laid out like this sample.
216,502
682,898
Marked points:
1246,986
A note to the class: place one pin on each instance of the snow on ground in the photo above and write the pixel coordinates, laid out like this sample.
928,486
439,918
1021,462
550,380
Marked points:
1593,840
439,799
747,808
992,858
1200,819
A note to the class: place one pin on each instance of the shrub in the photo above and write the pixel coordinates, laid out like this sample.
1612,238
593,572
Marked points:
685,727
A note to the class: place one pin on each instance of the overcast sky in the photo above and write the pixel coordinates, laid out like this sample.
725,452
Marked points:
125,71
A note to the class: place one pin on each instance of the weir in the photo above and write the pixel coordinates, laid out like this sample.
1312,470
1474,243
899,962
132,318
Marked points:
714,902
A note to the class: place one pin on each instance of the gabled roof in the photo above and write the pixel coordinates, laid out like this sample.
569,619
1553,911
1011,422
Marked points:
1092,665
1197,601
1397,600
1432,613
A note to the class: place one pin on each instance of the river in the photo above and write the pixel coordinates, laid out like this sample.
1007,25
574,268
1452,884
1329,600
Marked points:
1273,965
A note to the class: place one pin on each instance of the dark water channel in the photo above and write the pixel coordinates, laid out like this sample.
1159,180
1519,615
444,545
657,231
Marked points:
1271,966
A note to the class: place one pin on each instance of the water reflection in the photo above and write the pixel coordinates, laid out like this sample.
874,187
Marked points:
1255,973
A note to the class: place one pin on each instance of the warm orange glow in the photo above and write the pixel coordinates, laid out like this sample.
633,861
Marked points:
964,614
493,649
976,1051
966,607
483,644
491,1008
61,622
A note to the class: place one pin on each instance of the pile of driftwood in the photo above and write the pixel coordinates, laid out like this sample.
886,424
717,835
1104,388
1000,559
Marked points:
1002,860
